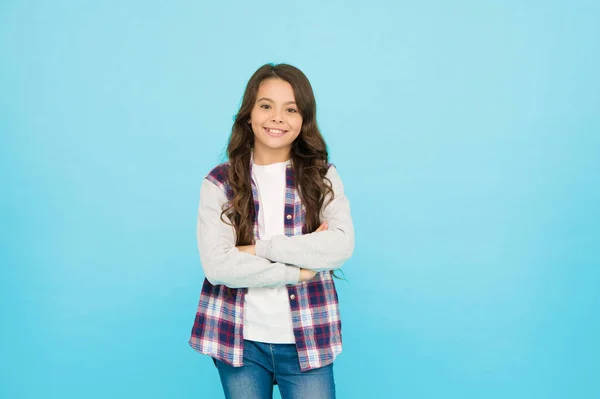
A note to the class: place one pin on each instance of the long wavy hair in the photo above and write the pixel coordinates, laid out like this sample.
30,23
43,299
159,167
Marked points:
309,156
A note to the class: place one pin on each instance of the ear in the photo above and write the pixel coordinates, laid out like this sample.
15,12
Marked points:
249,122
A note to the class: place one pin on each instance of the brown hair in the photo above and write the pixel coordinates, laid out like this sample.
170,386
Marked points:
309,156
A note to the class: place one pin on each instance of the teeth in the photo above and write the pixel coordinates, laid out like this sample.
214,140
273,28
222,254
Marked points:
276,131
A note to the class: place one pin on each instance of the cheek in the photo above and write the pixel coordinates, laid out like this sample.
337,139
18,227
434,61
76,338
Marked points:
298,124
257,115
254,116
297,129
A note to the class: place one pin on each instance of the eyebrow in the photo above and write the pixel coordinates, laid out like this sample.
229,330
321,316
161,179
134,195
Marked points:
268,99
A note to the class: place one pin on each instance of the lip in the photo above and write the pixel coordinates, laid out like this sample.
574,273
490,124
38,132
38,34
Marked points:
274,135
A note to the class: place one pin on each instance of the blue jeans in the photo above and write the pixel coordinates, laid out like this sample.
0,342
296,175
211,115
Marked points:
269,364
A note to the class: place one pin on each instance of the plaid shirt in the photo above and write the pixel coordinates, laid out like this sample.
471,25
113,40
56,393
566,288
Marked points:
218,326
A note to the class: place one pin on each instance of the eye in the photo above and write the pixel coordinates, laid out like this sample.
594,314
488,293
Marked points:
265,105
292,110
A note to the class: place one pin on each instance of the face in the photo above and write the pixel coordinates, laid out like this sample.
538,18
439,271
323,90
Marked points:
275,120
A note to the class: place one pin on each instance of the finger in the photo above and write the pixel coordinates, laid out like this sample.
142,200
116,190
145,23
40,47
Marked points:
322,227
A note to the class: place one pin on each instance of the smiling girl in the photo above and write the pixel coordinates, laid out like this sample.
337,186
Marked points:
273,225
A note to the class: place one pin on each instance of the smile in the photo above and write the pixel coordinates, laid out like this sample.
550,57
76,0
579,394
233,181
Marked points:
275,132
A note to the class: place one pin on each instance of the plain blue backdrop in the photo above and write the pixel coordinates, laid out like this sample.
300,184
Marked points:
467,134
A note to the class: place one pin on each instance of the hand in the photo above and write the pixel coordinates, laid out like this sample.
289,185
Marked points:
306,274
250,249
322,227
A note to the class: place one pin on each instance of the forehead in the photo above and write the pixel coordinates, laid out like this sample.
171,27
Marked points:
276,89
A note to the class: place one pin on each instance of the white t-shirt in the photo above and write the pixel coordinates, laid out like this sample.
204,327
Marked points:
267,313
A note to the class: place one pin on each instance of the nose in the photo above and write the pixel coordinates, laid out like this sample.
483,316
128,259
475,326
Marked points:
277,118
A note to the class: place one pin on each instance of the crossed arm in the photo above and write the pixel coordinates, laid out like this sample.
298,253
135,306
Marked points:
281,260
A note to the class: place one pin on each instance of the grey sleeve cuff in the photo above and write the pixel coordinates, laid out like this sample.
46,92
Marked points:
263,248
292,275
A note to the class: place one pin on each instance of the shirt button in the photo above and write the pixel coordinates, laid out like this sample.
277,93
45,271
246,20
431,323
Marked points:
289,217
292,296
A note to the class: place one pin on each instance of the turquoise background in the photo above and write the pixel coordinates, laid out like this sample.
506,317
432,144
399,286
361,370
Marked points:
466,133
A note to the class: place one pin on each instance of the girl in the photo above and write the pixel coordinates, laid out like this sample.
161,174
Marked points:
273,224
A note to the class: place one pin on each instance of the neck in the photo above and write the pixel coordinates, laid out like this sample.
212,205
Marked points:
262,157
